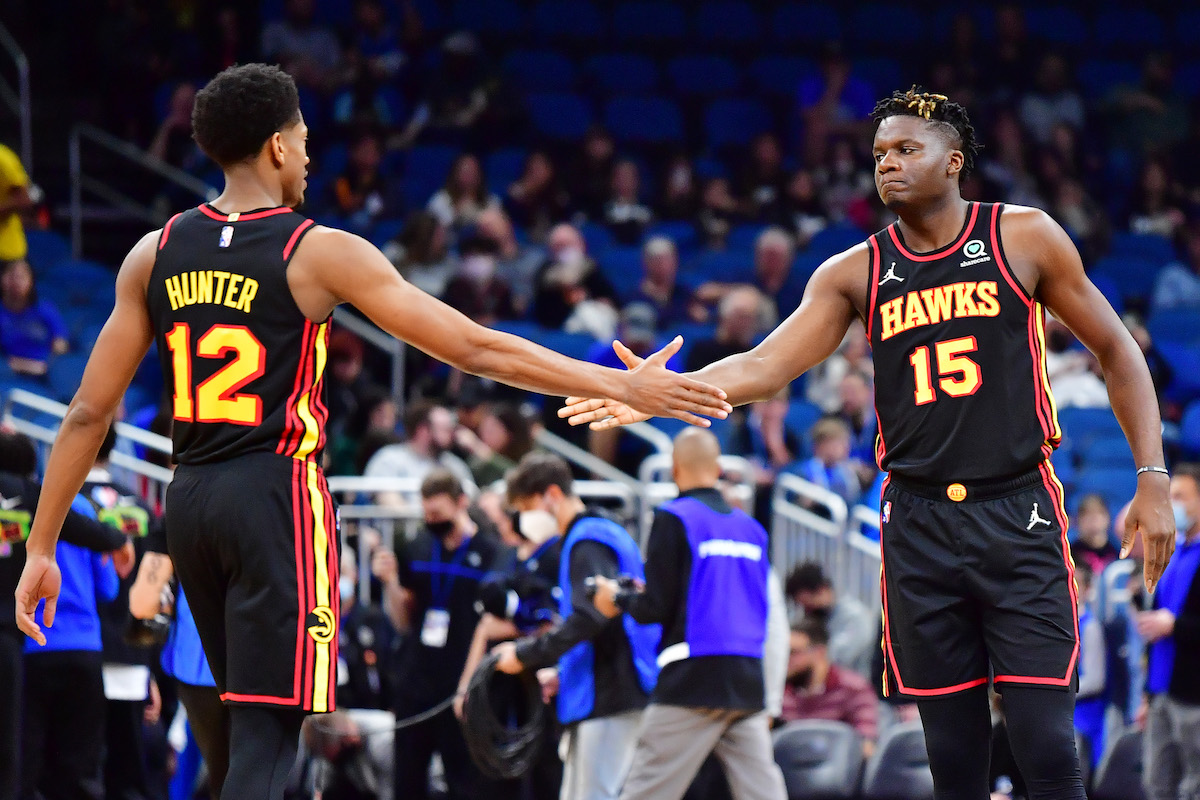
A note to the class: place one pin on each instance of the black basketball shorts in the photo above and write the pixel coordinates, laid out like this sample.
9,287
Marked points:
254,541
976,587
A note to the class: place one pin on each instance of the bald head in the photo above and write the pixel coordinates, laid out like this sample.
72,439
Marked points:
696,460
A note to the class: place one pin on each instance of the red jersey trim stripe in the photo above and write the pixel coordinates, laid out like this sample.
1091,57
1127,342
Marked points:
873,293
293,423
296,234
207,211
1009,277
941,252
166,231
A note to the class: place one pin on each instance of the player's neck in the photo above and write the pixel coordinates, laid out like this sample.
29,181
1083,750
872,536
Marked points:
247,190
935,225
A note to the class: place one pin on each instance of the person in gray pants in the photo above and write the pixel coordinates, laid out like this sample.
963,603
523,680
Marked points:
707,585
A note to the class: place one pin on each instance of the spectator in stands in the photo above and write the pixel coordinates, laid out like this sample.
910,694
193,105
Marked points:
1051,101
1160,369
517,263
625,214
362,194
823,383
503,438
1178,285
591,178
774,250
1151,115
835,102
173,142
15,201
851,628
831,466
740,318
430,431
671,300
430,588
537,200
1012,62
227,41
478,290
421,253
377,43
764,440
456,99
370,427
464,196
1082,218
1091,698
365,643
567,279
1072,370
801,211
763,179
857,409
345,382
309,52
678,199
1155,210
847,185
31,330
719,212
1007,167
1172,739
818,688
1092,544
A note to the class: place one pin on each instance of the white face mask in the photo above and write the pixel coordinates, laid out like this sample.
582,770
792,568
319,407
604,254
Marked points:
538,525
345,587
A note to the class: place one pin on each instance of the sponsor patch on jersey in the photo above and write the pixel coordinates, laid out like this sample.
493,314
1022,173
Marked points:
975,253
956,492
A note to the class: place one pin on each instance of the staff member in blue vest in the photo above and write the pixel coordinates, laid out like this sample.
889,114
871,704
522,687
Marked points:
706,583
606,668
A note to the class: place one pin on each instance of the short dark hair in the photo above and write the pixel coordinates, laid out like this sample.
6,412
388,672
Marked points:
18,455
241,108
1188,470
936,108
441,481
814,629
808,576
536,473
417,414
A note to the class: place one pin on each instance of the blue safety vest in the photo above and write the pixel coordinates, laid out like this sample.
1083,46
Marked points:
576,669
1089,711
183,656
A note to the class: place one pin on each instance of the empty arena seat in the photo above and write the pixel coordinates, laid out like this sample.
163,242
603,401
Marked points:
1189,430
800,417
1175,325
1119,776
46,248
805,23
1115,484
1143,245
558,115
735,121
833,240
622,73
780,75
503,167
499,18
1056,24
1106,451
681,232
539,70
728,22
1099,76
1134,29
648,22
597,236
703,75
622,266
726,266
425,172
1134,276
820,759
899,768
576,21
1184,360
643,120
64,374
1081,425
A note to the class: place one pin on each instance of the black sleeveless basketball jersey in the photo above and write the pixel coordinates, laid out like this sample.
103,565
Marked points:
961,389
242,362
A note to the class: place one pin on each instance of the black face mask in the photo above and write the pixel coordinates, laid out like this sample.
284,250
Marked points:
440,529
802,678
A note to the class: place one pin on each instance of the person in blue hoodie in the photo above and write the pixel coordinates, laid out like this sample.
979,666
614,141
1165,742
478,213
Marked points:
62,733
606,667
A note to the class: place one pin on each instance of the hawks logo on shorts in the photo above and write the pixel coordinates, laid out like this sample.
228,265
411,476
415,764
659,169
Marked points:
322,626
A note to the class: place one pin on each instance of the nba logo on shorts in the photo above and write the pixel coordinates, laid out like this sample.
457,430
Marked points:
887,510
226,236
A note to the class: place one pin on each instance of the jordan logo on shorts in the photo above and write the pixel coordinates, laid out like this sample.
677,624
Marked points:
891,275
1034,519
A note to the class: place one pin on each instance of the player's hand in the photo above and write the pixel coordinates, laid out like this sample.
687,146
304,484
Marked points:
1150,514
39,580
385,567
548,680
605,599
460,702
655,390
1155,625
508,661
123,559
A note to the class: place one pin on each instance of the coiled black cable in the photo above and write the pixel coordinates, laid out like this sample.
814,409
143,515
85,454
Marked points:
501,750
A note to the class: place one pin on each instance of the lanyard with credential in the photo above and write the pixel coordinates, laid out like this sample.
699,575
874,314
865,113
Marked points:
441,580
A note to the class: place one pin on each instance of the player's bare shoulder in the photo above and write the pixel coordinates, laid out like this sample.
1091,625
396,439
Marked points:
139,262
1035,245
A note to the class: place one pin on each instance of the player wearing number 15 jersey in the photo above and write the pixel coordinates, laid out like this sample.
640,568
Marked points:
237,294
976,579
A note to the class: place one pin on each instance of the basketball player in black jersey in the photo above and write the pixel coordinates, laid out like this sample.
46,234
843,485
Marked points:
237,295
977,582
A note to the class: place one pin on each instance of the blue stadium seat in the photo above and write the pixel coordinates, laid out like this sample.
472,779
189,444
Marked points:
520,327
1133,276
576,21
622,266
559,115
1184,359
805,23
1099,76
1056,24
498,18
648,22
703,75
1187,76
46,248
597,236
728,22
734,121
503,167
743,237
884,74
1110,289
801,416
575,345
333,159
1177,325
1189,430
833,240
64,374
539,70
643,120
1082,425
425,172
82,283
683,234
1132,29
879,23
726,266
780,75
1106,451
385,230
622,73
1115,484
1143,245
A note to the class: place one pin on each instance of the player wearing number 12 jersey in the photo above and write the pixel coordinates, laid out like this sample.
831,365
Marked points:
237,294
976,580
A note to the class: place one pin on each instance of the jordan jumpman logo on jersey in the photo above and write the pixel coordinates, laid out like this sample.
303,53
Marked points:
1034,519
891,275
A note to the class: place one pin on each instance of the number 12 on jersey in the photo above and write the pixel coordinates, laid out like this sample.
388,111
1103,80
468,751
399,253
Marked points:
216,398
960,376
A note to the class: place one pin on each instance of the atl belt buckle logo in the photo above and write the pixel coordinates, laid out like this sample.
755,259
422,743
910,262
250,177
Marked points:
956,492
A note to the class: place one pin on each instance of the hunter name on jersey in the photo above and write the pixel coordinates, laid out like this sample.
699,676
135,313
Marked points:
931,306
214,286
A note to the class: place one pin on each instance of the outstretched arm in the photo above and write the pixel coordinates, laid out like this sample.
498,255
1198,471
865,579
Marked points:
1067,291
354,271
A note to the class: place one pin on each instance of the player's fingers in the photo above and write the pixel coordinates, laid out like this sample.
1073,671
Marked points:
576,405
690,418
671,348
696,405
584,417
702,403
49,611
627,356
606,424
706,390
1130,533
25,619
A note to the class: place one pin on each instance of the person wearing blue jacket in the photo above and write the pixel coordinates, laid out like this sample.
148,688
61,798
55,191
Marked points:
62,734
606,667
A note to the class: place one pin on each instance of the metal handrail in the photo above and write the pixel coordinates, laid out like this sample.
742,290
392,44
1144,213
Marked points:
577,455
373,335
24,99
133,154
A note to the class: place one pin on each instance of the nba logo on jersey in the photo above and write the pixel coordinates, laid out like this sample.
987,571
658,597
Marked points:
887,510
226,236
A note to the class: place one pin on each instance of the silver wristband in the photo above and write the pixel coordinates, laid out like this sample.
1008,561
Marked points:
1163,470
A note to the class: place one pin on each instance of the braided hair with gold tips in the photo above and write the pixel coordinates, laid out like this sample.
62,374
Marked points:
936,108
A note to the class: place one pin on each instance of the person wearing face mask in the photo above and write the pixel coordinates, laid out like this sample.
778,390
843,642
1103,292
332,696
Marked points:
430,587
477,290
1171,707
606,667
853,634
568,277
